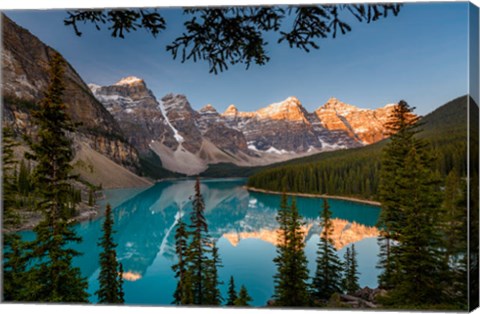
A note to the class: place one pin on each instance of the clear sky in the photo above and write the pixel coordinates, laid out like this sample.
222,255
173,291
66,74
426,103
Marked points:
419,56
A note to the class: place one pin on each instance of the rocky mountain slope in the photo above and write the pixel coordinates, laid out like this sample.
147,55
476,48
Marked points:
364,125
25,67
188,141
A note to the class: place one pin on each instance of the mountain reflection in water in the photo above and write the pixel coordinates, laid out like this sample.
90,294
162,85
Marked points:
243,222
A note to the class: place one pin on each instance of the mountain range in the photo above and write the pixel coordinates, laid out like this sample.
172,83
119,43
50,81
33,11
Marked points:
126,133
188,141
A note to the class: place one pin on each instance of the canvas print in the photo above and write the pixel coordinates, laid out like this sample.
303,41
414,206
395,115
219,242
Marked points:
319,156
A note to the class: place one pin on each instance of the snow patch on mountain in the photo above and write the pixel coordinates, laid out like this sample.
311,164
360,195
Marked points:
327,146
273,150
176,134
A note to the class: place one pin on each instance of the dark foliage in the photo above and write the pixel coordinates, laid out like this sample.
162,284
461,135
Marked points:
198,259
328,275
53,278
291,287
350,280
243,297
110,277
118,21
232,293
14,262
230,35
181,294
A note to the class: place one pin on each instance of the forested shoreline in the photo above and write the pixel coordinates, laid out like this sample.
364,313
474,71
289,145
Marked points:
345,198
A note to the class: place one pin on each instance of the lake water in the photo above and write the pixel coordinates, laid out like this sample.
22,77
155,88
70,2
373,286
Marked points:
243,223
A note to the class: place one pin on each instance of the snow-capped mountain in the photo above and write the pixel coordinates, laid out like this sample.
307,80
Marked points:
187,141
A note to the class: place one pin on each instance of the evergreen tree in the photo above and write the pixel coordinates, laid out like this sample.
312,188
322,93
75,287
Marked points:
243,297
110,281
9,186
292,273
454,218
14,268
232,293
213,295
402,127
346,267
327,280
180,268
350,271
410,235
14,263
121,294
197,253
419,254
24,179
298,263
281,260
198,259
53,278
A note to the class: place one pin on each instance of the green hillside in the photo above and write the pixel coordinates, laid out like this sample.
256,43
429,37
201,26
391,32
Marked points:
354,172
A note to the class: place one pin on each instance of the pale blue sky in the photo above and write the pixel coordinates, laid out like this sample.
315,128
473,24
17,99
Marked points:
419,56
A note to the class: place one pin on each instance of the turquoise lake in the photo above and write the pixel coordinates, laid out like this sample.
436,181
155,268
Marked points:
243,222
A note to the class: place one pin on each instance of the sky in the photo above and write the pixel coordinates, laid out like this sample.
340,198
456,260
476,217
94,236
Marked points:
419,56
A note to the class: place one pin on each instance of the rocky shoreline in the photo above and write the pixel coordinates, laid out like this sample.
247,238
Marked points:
344,198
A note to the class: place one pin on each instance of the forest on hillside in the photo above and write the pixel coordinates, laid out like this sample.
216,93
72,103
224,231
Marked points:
355,172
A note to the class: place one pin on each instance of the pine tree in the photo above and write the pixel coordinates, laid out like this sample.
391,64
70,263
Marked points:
180,268
346,268
232,293
9,184
53,278
121,294
14,263
243,297
110,277
281,260
410,238
14,268
350,271
454,219
198,259
327,280
292,273
419,256
23,179
213,295
197,253
298,263
401,126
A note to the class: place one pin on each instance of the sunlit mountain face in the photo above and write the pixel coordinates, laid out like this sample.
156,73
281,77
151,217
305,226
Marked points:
243,224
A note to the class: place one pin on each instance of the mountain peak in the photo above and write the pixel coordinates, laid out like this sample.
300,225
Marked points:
231,110
289,109
129,80
208,109
338,106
